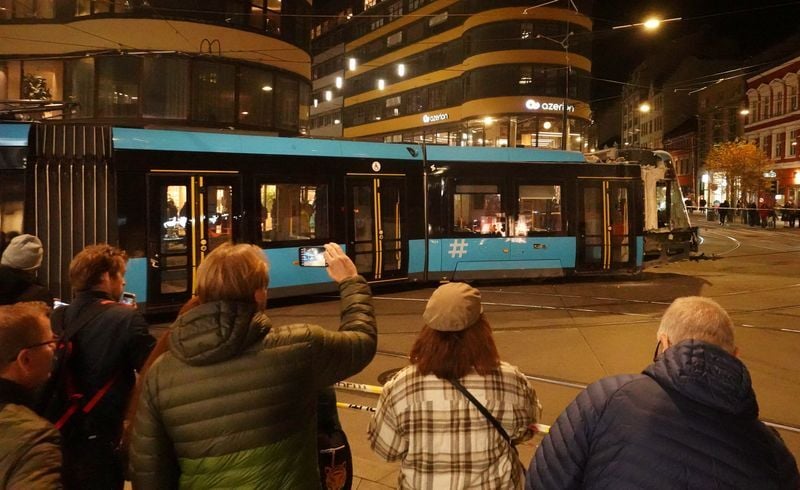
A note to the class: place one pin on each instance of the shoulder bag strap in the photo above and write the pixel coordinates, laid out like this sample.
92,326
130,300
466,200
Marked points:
483,410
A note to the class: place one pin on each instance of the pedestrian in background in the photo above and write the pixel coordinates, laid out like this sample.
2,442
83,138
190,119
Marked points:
690,420
232,403
724,212
425,417
20,261
111,342
30,456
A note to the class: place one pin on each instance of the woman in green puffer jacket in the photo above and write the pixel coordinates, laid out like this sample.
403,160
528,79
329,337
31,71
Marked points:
232,404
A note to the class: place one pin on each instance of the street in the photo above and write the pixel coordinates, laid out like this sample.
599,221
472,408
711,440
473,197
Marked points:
566,334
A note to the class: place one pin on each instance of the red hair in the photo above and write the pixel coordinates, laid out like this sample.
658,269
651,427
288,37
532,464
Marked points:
453,355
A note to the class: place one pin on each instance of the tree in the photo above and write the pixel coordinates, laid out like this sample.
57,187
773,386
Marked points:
740,162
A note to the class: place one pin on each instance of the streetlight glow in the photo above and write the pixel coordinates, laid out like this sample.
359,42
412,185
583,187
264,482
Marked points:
744,112
651,24
644,107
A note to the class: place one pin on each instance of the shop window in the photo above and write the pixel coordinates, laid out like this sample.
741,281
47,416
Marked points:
287,102
539,210
79,86
256,89
42,80
292,212
12,199
477,209
213,92
118,86
165,88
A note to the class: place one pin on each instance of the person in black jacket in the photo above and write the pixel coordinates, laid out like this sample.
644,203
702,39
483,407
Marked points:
110,346
690,420
21,259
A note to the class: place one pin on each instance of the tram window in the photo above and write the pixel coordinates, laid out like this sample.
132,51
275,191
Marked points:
539,210
11,206
662,203
477,209
293,212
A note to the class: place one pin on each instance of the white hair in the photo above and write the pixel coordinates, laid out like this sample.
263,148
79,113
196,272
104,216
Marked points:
698,318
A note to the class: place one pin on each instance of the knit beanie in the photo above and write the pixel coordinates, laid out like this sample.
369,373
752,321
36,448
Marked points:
24,252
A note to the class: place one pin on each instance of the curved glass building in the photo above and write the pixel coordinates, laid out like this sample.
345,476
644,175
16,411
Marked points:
202,63
455,72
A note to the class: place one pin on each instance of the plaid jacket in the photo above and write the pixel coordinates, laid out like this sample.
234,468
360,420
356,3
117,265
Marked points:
444,442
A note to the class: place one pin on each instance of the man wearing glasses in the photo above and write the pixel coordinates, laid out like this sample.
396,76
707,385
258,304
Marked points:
30,456
690,420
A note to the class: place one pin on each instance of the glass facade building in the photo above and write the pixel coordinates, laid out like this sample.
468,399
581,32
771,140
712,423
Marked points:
455,72
235,64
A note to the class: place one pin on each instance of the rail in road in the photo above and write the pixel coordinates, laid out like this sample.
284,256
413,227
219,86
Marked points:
376,390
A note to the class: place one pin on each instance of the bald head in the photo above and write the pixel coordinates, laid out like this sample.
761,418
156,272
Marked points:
698,318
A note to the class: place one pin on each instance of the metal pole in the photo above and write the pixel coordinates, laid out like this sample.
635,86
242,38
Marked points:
565,118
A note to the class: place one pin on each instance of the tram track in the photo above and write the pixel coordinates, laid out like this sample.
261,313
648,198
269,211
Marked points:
645,318
536,378
739,243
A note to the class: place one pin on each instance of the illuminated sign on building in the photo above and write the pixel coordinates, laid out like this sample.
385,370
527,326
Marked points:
431,118
535,105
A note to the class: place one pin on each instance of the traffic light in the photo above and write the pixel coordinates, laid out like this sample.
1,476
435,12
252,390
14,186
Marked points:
773,186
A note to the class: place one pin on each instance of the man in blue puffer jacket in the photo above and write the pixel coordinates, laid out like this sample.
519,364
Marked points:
689,421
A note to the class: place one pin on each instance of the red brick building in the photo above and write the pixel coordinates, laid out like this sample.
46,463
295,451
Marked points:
774,122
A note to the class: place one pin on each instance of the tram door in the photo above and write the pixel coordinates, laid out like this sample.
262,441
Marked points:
605,241
188,217
376,234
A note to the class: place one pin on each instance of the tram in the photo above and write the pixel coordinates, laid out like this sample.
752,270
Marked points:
668,231
402,212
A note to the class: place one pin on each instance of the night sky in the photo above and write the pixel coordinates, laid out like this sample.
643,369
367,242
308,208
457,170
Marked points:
748,27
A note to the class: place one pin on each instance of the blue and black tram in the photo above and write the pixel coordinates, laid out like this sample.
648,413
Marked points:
403,212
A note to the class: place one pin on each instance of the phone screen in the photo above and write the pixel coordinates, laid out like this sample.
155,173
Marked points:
312,257
128,299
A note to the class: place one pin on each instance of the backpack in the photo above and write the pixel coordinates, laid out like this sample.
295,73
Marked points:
60,400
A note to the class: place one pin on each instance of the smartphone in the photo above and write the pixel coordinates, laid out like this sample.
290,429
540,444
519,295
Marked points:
128,299
312,257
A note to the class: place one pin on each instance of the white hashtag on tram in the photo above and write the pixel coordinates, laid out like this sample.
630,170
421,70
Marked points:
458,247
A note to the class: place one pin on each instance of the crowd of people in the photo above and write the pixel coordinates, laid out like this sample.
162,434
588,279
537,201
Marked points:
225,399
761,212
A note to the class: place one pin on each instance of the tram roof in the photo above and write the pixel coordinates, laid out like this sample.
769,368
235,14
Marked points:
209,142
14,134
482,154
204,142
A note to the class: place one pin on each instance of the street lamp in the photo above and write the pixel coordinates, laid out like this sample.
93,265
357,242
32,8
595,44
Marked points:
650,24
564,43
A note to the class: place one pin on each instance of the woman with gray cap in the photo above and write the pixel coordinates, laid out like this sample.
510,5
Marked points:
454,415
18,265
